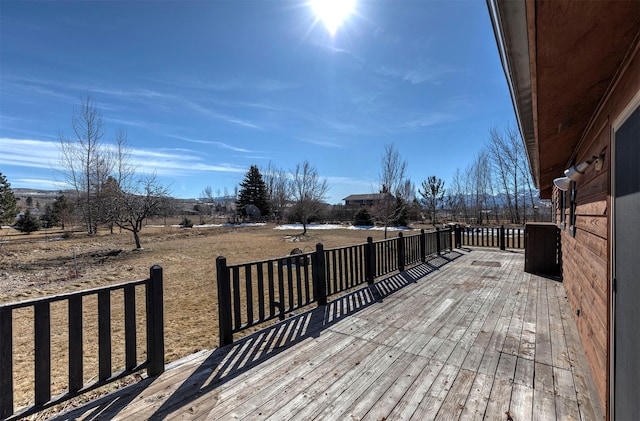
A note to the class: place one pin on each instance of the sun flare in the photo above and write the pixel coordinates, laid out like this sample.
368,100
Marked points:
332,12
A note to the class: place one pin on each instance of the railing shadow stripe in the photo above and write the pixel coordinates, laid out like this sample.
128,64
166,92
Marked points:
227,363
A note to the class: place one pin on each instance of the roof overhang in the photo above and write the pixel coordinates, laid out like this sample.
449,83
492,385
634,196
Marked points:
560,58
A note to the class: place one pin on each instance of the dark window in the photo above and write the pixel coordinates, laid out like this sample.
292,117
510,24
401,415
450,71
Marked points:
572,209
563,201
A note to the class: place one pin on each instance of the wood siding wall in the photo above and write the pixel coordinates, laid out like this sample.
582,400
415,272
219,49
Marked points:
586,254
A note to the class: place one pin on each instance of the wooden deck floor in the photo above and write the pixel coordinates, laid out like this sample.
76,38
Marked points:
467,336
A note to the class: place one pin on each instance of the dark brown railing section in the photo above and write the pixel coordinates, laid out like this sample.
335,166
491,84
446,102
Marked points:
154,362
256,292
512,238
345,267
388,256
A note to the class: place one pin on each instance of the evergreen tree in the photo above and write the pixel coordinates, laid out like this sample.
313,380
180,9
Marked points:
49,217
253,191
62,209
432,193
363,218
27,222
8,209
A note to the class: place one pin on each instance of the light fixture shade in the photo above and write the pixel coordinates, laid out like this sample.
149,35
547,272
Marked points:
563,183
574,173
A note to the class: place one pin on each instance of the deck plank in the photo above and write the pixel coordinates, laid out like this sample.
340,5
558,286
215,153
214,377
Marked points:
469,340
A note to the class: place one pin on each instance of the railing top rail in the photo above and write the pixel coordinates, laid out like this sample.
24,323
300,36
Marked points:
346,247
274,259
67,295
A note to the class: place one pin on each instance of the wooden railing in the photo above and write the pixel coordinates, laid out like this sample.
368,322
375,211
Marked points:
501,237
42,321
256,292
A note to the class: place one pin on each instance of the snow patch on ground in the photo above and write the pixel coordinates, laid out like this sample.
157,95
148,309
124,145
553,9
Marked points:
337,226
247,224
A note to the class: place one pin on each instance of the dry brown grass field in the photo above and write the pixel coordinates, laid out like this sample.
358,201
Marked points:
39,265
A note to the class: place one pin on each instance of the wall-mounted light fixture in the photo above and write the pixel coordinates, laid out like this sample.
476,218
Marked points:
574,173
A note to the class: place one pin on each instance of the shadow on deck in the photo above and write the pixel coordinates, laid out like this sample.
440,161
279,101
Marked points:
473,340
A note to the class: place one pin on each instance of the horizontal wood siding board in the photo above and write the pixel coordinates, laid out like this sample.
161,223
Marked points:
595,244
592,290
587,293
594,205
597,225
588,262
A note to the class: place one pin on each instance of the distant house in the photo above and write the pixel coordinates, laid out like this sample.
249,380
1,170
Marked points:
365,199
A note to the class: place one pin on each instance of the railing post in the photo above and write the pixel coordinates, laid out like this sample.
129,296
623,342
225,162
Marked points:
438,246
423,246
502,246
450,239
458,236
224,301
6,363
400,252
319,275
370,261
155,322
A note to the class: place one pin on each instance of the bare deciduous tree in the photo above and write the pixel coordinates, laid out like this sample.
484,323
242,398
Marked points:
84,160
392,181
478,178
277,182
508,156
308,192
207,204
145,199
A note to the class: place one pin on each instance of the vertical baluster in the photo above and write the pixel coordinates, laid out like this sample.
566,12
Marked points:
281,295
248,283
6,363
237,315
290,281
307,280
261,309
334,271
75,343
42,315
104,335
130,333
271,287
298,263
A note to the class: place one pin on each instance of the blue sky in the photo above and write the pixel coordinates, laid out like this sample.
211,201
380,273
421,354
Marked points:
205,89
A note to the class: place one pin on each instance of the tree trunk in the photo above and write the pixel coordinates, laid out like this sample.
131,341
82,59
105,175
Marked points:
136,236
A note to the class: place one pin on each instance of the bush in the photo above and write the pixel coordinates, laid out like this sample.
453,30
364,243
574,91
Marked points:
186,223
27,222
363,217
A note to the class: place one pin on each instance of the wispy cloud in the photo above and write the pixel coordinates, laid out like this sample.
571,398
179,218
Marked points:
423,72
42,154
212,142
39,183
263,85
324,143
428,120
27,152
152,99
